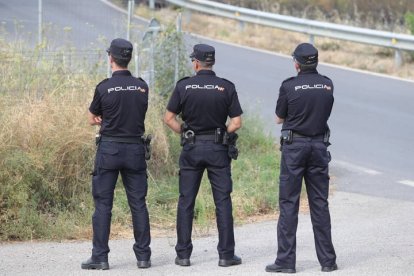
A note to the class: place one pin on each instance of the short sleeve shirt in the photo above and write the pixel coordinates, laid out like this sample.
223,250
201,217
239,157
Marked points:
122,101
205,101
305,103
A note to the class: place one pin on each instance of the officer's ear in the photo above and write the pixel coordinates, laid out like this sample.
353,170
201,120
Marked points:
196,65
297,66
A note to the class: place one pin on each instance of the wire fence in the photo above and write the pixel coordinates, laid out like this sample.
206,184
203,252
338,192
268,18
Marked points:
30,65
159,58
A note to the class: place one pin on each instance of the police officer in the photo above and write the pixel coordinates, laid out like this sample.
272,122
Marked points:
119,107
204,101
304,106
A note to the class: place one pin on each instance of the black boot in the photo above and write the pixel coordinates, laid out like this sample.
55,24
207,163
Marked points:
229,262
278,268
91,264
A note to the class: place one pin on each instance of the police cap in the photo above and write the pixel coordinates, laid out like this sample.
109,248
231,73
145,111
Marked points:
120,48
203,52
306,54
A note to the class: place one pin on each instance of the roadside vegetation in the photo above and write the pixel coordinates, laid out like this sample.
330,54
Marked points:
47,149
381,15
374,14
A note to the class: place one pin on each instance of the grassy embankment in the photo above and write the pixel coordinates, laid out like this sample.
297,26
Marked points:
344,53
47,151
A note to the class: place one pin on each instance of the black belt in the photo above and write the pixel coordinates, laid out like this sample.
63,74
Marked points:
205,137
129,140
298,135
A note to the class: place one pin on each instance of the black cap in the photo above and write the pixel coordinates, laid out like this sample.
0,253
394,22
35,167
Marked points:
203,52
120,48
306,54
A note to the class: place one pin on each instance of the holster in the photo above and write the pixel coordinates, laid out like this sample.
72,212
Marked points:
187,135
326,137
286,137
146,140
97,138
230,140
219,136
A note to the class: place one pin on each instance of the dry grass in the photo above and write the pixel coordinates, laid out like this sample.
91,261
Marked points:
47,152
354,55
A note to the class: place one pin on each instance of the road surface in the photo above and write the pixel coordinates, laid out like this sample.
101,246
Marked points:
373,167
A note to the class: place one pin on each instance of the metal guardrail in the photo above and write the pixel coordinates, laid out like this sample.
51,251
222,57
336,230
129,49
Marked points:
311,27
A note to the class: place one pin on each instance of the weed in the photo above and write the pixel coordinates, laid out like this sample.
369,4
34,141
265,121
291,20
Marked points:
47,149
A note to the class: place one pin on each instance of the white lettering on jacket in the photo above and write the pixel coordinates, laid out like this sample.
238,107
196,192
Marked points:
314,86
205,86
126,88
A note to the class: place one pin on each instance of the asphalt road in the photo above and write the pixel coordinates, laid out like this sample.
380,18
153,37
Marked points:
371,124
367,233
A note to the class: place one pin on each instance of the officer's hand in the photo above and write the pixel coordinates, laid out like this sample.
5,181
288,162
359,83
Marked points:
98,120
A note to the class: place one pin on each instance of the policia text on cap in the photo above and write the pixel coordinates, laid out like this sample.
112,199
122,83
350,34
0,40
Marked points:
205,101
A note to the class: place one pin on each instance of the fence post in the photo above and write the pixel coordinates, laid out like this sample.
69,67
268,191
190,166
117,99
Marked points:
177,50
109,70
398,58
40,23
136,60
241,22
312,39
153,28
151,4
152,67
130,7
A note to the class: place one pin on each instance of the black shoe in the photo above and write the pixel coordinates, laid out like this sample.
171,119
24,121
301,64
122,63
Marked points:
229,262
329,268
90,264
182,262
278,268
144,264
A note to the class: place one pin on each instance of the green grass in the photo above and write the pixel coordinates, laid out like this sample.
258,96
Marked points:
47,152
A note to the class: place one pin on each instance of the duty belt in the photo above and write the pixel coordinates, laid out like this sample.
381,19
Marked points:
189,136
205,137
298,135
288,135
129,140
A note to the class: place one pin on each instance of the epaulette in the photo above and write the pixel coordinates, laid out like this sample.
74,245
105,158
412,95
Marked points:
141,79
228,81
183,79
102,82
288,79
326,77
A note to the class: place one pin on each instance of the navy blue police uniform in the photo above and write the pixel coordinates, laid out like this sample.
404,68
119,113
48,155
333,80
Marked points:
205,101
305,103
122,102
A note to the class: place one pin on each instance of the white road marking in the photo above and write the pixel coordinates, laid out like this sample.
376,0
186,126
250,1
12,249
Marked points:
355,168
407,182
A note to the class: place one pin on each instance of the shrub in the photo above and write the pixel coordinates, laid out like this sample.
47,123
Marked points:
409,20
47,148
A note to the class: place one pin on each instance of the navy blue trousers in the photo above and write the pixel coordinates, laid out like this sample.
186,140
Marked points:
304,158
194,159
113,158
